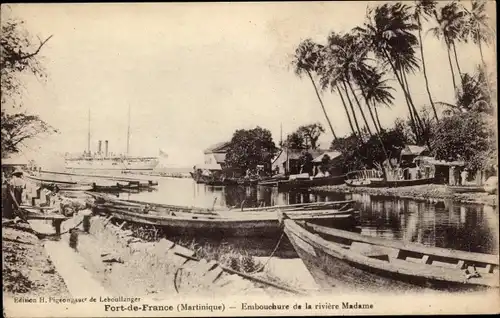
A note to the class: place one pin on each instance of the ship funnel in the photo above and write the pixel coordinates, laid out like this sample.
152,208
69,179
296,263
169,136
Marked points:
106,148
99,147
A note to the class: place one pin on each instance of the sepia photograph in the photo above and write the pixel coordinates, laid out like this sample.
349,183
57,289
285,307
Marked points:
249,159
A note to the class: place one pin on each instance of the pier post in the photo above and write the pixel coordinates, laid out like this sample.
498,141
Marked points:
57,226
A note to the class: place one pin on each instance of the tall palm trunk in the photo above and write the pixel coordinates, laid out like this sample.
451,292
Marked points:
322,106
424,69
415,111
378,120
346,110
352,109
481,52
456,61
375,124
400,81
360,108
451,68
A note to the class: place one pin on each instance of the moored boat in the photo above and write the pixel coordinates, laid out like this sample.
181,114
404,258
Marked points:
466,189
311,182
358,263
257,224
381,183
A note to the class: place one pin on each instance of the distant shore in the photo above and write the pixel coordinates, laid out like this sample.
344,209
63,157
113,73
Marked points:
421,192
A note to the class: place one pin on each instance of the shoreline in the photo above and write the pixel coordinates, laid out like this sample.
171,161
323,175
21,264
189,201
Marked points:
431,192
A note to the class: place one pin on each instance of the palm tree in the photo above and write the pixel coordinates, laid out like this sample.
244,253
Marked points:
388,31
451,24
478,29
423,10
306,59
378,91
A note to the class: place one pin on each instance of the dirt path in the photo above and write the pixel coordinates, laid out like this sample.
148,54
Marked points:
27,269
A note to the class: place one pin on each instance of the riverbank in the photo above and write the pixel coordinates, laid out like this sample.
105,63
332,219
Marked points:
430,192
28,272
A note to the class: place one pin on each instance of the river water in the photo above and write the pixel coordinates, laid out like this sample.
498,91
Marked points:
445,224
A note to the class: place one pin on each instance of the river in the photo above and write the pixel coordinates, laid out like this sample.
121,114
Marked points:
445,224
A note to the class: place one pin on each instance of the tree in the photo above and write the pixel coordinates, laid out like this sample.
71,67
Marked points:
306,162
422,10
18,54
310,134
388,32
464,136
477,26
250,148
451,24
295,141
306,60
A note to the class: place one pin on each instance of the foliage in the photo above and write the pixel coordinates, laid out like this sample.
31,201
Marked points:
18,54
306,162
250,148
294,141
311,134
464,136
356,155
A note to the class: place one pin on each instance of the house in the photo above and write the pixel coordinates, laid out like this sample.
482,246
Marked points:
410,152
333,155
288,160
216,154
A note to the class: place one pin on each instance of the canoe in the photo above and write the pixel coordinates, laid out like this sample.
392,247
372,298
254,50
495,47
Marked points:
110,200
354,262
465,189
380,183
51,181
263,224
78,187
307,183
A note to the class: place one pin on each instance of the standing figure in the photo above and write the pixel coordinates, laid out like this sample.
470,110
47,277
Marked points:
464,175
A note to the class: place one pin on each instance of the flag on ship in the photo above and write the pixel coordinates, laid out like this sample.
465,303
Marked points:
163,154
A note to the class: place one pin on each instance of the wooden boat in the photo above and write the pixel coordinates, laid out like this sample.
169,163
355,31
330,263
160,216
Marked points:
113,201
381,183
51,181
465,189
256,224
351,261
307,183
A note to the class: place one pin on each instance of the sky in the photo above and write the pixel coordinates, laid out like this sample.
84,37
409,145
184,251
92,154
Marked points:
193,73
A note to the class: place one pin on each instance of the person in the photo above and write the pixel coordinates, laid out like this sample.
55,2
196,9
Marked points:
464,175
17,185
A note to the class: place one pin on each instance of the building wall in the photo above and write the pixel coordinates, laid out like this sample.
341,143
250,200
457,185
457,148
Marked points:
210,158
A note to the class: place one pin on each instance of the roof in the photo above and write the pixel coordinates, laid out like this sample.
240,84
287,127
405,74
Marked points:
218,147
433,161
220,157
15,160
294,154
331,154
413,150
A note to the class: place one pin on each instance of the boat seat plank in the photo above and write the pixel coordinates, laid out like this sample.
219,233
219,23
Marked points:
450,274
373,251
437,251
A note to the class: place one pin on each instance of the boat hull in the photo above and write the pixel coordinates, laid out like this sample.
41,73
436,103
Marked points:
389,184
308,183
111,164
330,269
217,227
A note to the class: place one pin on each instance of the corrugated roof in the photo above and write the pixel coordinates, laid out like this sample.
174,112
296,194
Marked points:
331,154
413,150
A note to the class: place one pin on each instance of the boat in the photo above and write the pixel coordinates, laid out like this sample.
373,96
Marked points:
254,224
381,183
110,201
292,184
465,189
104,160
353,262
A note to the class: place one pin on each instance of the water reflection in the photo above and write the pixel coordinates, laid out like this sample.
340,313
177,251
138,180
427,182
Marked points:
448,224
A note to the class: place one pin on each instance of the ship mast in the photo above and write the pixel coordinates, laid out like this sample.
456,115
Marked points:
128,131
88,135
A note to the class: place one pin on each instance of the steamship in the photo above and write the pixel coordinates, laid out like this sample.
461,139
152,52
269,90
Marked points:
104,160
